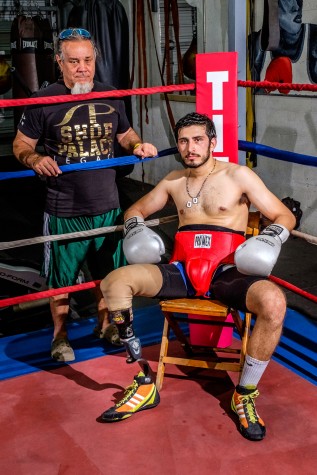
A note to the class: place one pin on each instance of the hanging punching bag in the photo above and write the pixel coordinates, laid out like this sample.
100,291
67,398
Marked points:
5,74
64,9
32,57
189,58
45,54
107,22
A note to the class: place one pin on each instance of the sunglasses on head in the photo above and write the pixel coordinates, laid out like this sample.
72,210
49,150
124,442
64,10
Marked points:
65,34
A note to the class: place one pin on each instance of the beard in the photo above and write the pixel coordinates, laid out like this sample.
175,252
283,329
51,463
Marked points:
204,159
82,88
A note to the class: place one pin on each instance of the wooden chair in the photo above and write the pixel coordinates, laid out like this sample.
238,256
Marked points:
226,359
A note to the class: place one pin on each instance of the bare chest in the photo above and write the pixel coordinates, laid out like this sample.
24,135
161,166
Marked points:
214,202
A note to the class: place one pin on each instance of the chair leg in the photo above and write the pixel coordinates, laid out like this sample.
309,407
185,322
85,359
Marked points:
178,332
163,353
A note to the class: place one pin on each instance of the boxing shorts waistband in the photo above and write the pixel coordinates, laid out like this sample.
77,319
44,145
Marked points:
208,227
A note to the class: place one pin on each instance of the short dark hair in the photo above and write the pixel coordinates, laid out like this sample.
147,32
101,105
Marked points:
194,118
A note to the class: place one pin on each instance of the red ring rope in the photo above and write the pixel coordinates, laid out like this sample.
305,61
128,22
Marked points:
146,91
276,85
89,285
48,293
293,288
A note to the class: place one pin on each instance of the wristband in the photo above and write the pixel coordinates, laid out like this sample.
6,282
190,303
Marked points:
131,223
276,230
136,146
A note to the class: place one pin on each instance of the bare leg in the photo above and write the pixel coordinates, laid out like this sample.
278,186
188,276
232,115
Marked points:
59,305
60,349
105,329
103,316
267,302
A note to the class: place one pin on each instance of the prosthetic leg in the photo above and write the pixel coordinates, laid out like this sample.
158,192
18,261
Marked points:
142,394
123,319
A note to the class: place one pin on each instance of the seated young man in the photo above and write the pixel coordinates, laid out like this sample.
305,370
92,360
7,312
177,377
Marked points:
210,259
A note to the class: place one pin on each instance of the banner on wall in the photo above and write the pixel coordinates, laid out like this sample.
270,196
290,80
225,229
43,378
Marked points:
217,97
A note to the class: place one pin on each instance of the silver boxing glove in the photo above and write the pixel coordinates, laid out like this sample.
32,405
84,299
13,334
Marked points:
258,255
141,245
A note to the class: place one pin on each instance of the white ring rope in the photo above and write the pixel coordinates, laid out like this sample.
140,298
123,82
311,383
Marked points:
110,229
79,234
308,237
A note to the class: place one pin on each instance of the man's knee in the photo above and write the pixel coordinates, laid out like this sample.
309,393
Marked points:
266,298
116,288
111,280
136,279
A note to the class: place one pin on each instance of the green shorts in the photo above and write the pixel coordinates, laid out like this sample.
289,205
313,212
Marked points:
63,260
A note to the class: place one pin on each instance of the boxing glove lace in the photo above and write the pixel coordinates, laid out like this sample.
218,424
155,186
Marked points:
258,255
141,245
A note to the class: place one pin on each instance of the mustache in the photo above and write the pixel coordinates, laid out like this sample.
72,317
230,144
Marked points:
192,155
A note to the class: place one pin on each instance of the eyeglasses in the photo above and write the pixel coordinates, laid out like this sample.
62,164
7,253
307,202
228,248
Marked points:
65,34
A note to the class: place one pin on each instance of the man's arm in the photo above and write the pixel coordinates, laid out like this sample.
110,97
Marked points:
132,143
258,255
153,201
141,244
264,200
24,151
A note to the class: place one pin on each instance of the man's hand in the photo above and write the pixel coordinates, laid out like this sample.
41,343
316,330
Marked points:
258,255
24,149
131,142
144,150
44,165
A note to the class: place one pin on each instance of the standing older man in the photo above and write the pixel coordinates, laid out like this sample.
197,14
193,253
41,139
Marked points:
75,132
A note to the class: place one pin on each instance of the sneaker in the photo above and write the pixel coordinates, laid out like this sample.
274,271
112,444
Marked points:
252,426
111,334
142,394
61,350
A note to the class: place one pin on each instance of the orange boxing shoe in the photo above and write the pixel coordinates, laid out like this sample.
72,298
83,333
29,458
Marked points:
252,426
141,395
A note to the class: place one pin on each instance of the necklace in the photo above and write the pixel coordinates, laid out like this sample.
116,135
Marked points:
194,199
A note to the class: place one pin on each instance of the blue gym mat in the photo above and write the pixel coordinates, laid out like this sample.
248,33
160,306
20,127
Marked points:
30,352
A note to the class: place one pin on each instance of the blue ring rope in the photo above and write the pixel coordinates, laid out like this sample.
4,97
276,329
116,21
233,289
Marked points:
278,154
110,163
243,145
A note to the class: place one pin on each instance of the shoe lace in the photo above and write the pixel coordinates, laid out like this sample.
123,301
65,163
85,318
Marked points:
128,393
249,405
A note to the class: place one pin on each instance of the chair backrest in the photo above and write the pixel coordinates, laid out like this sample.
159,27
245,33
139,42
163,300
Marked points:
254,223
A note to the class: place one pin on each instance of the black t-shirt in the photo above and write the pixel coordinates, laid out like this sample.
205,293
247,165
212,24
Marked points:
75,132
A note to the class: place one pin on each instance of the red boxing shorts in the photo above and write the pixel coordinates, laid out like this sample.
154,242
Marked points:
203,251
